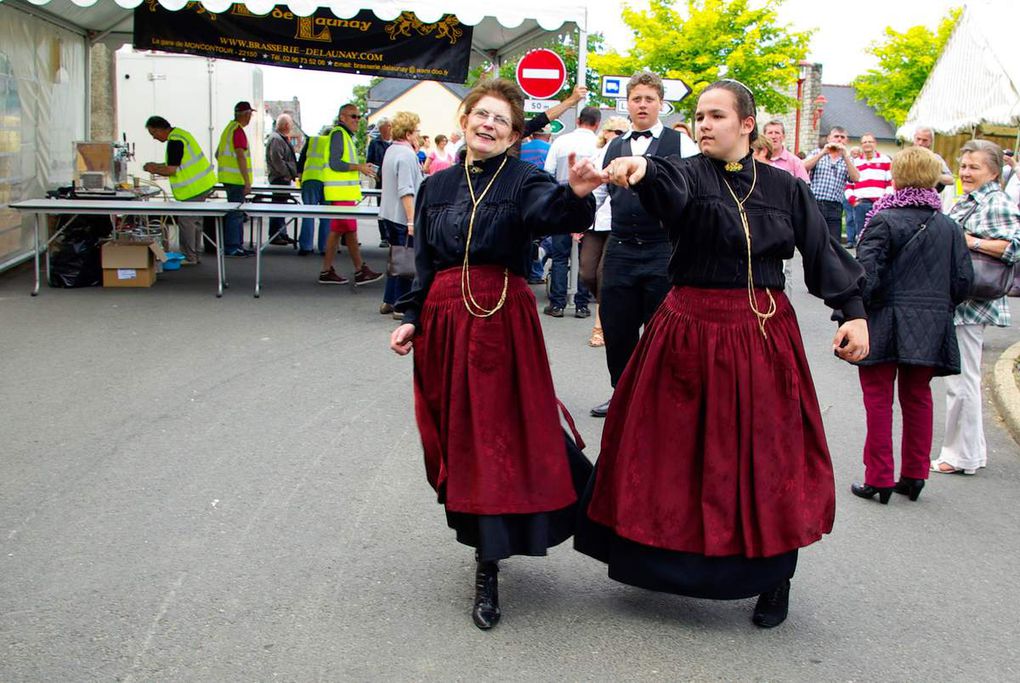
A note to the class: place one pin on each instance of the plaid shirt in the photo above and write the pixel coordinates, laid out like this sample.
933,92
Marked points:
828,177
989,215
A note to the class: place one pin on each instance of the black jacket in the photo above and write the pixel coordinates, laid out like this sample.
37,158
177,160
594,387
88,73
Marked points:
912,287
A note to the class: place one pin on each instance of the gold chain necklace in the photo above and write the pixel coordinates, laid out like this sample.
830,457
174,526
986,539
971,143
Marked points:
473,307
762,317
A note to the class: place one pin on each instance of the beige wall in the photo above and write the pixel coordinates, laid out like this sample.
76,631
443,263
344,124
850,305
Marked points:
432,102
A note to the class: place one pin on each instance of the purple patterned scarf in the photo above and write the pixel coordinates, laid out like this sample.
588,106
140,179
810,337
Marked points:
908,196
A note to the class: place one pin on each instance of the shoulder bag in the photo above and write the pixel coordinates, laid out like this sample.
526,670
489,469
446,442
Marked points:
401,261
993,277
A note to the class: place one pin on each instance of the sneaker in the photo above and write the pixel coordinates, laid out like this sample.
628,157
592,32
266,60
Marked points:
385,309
554,311
384,244
398,316
237,253
331,277
582,312
366,276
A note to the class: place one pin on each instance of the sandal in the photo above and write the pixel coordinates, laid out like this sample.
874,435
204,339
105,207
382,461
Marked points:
597,338
943,467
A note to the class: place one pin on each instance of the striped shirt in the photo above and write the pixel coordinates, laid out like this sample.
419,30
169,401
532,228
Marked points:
875,180
828,177
986,213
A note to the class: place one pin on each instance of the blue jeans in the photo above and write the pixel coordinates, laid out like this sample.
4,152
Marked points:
233,224
860,211
560,255
312,194
851,221
396,287
832,212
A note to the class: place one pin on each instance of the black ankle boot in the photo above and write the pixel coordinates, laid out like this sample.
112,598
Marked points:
909,486
486,610
772,607
867,491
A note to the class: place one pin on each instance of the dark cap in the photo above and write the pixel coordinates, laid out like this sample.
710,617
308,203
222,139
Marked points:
242,107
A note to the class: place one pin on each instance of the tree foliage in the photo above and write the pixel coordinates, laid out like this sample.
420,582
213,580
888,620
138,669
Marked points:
904,62
711,38
359,97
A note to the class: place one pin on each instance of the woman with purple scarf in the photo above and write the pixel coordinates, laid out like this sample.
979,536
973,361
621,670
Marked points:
918,269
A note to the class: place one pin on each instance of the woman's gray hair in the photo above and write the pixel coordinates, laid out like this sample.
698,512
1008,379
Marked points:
991,151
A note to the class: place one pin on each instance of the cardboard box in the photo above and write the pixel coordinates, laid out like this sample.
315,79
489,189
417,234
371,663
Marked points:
128,263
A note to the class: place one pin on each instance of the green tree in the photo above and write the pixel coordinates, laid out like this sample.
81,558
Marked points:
904,62
359,97
711,38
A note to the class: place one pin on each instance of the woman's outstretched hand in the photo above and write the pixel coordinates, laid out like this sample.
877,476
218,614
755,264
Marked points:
401,341
626,171
584,177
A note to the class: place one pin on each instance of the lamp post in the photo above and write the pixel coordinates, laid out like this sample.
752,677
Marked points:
803,71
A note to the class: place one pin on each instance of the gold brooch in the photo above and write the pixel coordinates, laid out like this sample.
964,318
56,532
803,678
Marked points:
733,166
475,170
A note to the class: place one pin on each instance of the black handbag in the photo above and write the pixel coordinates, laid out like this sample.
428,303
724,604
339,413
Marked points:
401,261
993,277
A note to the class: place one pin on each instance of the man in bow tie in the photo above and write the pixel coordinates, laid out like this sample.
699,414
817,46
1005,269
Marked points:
634,276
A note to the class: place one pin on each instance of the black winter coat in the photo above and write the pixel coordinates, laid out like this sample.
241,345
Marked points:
913,286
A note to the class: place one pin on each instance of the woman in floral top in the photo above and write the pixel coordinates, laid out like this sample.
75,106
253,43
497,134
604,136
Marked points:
991,225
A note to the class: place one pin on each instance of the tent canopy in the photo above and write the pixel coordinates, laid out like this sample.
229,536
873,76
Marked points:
976,80
500,29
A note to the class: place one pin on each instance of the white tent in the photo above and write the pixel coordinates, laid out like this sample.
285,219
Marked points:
45,68
976,80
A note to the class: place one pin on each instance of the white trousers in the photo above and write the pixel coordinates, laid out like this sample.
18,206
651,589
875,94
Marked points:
964,444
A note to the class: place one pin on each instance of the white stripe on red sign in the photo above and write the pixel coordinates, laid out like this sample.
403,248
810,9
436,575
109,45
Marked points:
541,73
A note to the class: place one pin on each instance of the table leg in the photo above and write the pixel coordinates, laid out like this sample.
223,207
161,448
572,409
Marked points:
35,291
258,258
220,275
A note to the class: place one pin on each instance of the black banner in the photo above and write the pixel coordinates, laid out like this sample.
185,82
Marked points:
402,48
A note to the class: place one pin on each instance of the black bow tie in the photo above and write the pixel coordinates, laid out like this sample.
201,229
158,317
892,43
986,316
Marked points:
640,134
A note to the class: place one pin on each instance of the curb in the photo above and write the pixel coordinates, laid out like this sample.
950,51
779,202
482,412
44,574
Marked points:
1005,392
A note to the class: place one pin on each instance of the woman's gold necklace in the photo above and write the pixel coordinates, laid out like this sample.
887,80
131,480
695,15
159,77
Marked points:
761,316
473,307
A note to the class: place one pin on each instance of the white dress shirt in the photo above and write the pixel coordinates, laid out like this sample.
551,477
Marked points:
581,142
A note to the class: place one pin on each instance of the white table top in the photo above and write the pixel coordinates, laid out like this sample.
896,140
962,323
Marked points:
114,207
267,210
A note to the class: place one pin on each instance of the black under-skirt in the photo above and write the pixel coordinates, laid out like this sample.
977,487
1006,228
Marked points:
497,537
670,571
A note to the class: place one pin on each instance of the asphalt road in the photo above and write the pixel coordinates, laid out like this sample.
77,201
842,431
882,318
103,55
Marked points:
220,490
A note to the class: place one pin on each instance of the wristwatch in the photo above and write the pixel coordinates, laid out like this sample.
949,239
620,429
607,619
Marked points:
977,245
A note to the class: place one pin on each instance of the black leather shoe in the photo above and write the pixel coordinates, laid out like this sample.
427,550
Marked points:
554,311
601,410
909,486
772,607
867,491
486,611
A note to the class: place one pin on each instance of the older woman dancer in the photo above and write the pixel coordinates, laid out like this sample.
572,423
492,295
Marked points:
714,468
494,449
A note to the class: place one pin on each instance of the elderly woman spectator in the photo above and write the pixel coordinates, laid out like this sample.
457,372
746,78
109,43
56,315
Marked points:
991,226
918,269
762,150
439,157
401,175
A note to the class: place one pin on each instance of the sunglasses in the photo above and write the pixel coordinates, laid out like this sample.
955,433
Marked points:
618,132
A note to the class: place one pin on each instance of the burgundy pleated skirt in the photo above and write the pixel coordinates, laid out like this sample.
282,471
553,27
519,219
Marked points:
714,444
484,401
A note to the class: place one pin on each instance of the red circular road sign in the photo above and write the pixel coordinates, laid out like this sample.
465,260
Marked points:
541,74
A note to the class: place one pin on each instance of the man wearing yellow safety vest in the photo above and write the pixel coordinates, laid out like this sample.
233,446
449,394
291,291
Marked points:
341,185
311,165
191,180
233,167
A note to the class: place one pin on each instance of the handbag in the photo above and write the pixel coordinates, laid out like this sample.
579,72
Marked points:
401,261
993,277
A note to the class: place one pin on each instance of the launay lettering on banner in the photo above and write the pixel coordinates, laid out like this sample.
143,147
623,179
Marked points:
402,48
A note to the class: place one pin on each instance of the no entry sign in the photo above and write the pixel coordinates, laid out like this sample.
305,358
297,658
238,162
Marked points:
541,74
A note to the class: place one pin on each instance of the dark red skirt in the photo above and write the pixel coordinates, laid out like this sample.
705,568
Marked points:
484,400
714,442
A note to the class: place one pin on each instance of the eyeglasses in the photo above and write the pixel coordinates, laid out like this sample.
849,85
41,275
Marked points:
356,117
618,132
483,115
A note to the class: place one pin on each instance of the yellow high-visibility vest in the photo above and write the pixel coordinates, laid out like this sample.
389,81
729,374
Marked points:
339,186
226,157
195,175
316,158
